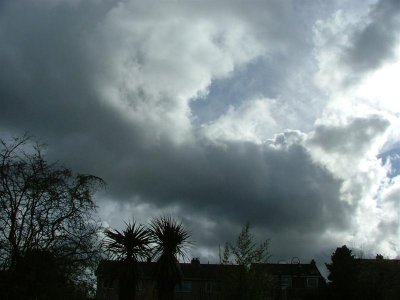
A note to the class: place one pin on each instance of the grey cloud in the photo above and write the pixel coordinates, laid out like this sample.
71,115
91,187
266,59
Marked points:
276,187
45,79
374,43
279,190
351,139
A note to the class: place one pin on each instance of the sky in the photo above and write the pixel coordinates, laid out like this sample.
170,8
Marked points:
285,114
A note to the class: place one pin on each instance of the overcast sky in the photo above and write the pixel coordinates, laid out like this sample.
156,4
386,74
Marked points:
282,113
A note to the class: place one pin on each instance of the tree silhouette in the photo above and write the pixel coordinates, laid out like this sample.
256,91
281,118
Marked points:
131,245
246,251
342,274
39,274
247,283
46,207
172,241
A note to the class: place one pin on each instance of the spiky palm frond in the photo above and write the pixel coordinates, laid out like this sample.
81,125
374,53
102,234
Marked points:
133,243
170,237
171,241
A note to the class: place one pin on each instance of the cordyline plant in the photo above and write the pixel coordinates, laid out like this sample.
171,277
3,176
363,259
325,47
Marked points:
130,246
133,243
171,241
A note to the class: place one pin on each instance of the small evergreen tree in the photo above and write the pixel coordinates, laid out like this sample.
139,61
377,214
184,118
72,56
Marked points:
342,273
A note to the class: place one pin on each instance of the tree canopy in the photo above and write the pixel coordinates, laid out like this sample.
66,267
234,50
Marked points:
45,207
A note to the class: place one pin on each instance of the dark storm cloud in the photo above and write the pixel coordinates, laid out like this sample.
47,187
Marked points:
284,195
45,77
273,187
374,43
56,58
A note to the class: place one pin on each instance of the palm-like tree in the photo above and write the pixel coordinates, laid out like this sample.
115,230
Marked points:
131,245
171,241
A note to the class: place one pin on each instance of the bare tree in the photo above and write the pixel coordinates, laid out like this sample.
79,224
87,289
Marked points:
45,207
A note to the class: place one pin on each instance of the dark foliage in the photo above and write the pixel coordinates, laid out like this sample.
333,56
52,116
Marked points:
130,245
342,273
133,243
171,241
40,275
45,207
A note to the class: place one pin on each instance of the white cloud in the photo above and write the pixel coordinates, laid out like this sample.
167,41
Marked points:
380,88
157,60
250,122
330,38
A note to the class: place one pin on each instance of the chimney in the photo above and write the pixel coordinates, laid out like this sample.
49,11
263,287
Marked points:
195,261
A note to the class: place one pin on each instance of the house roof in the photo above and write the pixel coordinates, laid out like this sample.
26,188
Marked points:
374,261
206,271
197,271
384,266
289,269
111,269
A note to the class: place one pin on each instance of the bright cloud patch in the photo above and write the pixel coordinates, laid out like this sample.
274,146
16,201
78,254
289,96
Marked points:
250,122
